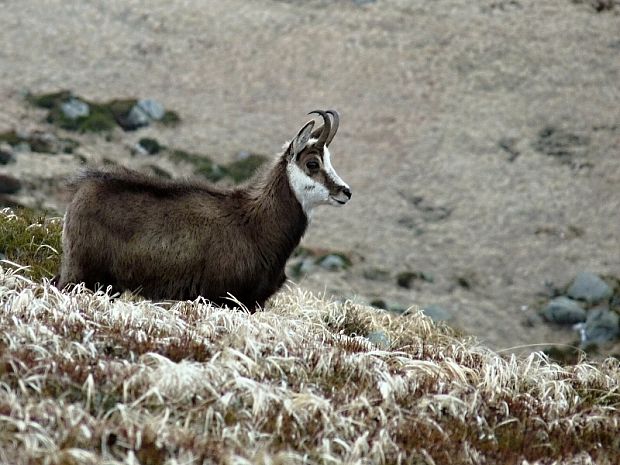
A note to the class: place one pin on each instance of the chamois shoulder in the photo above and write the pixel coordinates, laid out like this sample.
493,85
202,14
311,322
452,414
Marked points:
121,179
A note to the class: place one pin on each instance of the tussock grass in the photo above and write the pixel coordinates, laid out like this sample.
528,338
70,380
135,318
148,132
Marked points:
31,239
89,379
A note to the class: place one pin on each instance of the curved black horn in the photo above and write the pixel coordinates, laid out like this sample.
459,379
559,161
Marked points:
327,127
335,123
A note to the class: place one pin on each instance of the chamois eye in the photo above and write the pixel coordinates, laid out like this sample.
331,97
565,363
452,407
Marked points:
312,165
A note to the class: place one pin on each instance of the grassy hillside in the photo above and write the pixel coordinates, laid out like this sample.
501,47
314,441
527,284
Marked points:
89,379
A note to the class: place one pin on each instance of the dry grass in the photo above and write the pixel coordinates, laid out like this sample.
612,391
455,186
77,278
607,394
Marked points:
89,379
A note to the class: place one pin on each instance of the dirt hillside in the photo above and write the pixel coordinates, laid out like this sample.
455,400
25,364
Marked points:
481,139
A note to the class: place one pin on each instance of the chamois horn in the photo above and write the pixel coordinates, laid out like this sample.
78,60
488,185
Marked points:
327,127
335,123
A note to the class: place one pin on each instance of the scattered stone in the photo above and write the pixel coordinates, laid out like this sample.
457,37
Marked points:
302,266
9,184
150,146
334,262
22,147
43,142
508,144
379,338
6,154
379,303
600,6
393,307
467,281
74,108
152,108
532,320
77,114
430,213
376,274
561,144
135,119
590,288
243,155
564,311
406,278
132,114
601,326
437,313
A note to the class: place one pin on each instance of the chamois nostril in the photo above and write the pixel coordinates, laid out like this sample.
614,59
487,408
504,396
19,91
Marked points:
346,191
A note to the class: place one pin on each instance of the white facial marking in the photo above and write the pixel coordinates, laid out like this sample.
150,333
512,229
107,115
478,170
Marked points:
310,193
329,169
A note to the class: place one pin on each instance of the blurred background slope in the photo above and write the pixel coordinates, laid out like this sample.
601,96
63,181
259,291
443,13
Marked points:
481,139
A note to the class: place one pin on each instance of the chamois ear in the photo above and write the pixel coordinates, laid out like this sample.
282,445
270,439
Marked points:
301,139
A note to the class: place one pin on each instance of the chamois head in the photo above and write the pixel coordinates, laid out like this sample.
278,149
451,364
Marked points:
311,174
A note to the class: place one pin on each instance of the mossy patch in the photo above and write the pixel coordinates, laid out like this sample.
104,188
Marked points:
101,117
407,278
170,118
10,137
40,142
306,259
237,171
244,169
151,145
203,165
32,239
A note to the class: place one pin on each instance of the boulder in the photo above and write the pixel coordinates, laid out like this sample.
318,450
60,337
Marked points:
152,108
564,311
601,326
379,338
590,288
9,184
75,108
6,154
437,313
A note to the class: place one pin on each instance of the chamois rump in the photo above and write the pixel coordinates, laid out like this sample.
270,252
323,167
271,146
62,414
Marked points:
171,239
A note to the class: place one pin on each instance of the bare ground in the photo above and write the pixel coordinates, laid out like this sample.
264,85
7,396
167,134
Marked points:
429,92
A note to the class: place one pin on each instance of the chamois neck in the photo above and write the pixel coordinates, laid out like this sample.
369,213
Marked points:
277,214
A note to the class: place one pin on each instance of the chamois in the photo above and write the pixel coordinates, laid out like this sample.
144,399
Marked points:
172,239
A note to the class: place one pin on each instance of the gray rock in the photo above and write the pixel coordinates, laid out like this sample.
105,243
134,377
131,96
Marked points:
437,313
75,108
561,144
152,108
390,306
601,326
243,155
564,311
376,274
379,338
22,147
136,118
589,287
6,154
333,262
9,184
